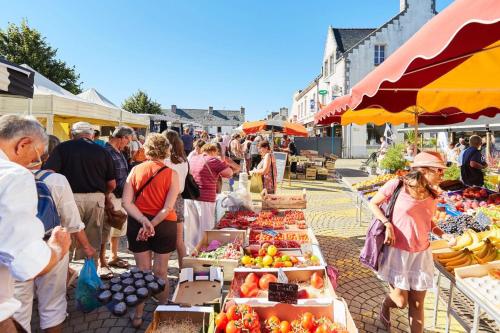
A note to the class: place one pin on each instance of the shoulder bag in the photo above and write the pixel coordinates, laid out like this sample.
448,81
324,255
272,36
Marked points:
374,242
139,192
191,188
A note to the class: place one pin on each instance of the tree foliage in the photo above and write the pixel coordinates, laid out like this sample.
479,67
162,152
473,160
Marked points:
24,45
140,102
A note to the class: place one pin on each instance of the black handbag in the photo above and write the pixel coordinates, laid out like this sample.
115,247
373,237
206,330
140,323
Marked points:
191,189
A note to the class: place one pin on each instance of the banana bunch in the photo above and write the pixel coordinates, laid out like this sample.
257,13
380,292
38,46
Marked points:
471,239
470,250
455,259
486,252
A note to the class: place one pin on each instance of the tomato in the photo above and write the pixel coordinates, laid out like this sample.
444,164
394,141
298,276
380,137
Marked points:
317,281
233,313
323,328
252,278
251,321
221,321
272,322
232,327
266,279
307,320
244,309
249,290
285,327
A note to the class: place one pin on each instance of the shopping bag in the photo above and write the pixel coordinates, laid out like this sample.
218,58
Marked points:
256,184
88,287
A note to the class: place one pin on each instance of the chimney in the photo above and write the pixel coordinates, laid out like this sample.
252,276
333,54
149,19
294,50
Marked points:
210,110
402,5
173,108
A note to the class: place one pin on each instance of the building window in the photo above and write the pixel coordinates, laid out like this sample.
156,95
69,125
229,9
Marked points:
219,129
379,54
332,64
326,68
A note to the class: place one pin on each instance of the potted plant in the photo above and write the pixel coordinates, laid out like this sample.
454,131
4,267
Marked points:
394,159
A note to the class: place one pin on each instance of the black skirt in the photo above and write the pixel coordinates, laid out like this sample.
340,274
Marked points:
164,241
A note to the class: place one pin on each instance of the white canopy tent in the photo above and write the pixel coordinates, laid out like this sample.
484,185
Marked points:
57,108
126,117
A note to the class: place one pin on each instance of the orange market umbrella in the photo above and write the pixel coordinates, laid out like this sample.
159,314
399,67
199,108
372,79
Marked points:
274,126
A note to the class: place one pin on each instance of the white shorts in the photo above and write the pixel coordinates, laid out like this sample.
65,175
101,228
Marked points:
198,217
50,292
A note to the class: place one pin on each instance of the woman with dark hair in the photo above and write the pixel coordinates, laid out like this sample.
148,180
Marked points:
178,162
267,167
406,262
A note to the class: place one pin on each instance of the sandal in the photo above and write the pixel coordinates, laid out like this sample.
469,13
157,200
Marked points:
118,263
385,321
105,273
133,320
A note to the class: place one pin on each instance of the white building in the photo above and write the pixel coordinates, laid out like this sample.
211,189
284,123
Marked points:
349,55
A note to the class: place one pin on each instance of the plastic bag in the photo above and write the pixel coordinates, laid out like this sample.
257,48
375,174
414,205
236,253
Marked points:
88,287
256,185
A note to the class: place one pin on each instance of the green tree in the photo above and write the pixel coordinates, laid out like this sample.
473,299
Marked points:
394,158
140,102
24,45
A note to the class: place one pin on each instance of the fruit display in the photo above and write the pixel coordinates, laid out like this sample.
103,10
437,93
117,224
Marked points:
472,248
272,219
243,318
374,182
282,239
120,293
269,256
255,285
477,193
216,251
458,224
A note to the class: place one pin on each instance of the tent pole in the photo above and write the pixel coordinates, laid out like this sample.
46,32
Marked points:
488,146
416,132
30,106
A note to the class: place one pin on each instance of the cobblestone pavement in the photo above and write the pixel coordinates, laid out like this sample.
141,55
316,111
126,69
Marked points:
331,213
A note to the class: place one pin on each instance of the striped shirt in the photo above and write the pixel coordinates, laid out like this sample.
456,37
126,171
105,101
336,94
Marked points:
121,169
206,170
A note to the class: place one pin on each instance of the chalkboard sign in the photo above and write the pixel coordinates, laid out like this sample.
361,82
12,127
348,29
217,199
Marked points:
283,292
280,164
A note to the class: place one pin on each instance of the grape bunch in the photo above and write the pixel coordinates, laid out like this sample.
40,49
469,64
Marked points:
458,224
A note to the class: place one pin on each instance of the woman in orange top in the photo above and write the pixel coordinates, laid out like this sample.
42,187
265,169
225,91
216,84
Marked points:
149,197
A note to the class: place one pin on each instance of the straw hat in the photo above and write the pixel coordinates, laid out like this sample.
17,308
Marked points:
428,159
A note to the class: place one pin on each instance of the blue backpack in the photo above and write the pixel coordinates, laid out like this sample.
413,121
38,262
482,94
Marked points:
47,211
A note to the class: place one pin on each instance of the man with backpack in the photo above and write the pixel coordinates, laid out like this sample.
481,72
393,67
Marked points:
23,253
91,173
56,207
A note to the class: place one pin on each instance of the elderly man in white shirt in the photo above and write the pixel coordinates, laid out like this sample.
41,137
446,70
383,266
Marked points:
23,253
50,289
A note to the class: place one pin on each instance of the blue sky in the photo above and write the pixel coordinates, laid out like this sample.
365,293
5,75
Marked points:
197,53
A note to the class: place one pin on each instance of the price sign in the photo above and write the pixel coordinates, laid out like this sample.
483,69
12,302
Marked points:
270,232
283,292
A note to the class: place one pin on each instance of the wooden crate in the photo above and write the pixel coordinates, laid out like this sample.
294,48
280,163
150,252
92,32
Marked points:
330,165
311,172
322,171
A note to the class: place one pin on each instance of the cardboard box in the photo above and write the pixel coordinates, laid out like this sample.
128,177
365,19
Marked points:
323,296
202,315
313,249
227,265
336,310
197,298
201,290
275,201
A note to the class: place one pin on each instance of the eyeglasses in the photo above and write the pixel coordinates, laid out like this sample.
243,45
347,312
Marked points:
436,170
36,163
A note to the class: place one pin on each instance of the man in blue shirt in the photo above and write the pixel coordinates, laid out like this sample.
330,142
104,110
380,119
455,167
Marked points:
472,165
97,136
187,139
120,139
